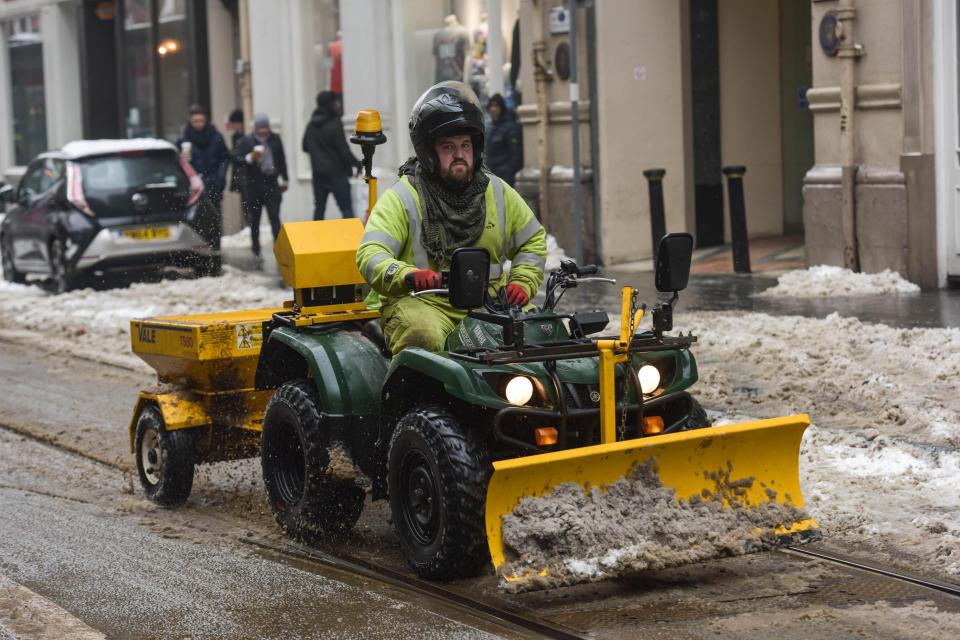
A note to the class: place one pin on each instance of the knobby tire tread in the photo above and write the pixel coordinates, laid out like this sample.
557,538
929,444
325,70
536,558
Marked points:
464,474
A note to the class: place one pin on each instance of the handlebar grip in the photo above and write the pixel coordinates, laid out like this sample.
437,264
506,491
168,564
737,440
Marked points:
588,270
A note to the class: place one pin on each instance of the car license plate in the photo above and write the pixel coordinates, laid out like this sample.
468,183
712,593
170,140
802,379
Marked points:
147,233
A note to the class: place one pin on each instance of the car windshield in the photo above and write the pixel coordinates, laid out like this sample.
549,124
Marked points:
123,173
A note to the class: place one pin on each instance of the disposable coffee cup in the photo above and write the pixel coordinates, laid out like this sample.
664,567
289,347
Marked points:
187,149
257,152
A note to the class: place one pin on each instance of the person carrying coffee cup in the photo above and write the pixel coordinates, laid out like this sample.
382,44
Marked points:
265,164
203,147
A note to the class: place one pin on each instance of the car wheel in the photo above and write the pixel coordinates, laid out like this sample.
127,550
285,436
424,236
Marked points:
10,273
208,266
437,476
164,459
306,501
61,279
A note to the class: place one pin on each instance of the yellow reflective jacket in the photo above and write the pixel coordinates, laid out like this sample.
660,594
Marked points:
391,246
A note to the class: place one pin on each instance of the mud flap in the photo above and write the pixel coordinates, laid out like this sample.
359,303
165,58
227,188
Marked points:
760,459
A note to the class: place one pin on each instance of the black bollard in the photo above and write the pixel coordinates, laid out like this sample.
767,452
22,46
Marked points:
738,218
658,221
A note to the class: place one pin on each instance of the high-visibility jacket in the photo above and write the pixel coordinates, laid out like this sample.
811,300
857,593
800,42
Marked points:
391,246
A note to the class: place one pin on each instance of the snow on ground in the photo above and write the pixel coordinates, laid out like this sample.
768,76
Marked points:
96,324
823,280
879,465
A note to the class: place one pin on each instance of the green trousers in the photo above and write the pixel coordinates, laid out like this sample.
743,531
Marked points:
418,322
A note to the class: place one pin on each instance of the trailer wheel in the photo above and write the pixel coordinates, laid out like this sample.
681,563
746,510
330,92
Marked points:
164,459
437,476
305,500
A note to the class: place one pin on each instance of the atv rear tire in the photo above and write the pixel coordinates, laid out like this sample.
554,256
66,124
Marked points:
437,476
305,500
164,459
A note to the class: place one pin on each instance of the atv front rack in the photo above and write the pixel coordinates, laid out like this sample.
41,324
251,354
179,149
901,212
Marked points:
568,350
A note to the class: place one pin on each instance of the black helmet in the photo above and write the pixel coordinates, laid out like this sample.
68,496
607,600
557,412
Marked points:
446,108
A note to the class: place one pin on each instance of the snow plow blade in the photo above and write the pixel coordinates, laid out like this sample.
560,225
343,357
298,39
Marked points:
741,477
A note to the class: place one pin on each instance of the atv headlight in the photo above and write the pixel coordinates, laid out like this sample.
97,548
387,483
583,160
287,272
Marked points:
649,377
519,390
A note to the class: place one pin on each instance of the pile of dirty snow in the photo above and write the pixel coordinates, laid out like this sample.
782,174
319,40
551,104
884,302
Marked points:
96,324
635,524
824,280
878,464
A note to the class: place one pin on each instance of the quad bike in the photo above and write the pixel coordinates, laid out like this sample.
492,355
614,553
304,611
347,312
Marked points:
519,402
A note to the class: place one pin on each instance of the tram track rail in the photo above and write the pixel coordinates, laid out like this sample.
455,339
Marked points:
935,584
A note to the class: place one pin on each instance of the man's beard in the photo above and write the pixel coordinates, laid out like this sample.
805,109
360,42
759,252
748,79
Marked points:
455,181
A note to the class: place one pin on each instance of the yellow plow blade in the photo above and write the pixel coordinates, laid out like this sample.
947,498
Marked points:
757,462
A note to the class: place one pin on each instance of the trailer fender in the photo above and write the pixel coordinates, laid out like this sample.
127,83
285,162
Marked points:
180,409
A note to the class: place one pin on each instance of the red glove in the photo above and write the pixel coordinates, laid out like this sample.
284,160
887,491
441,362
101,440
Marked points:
422,279
516,295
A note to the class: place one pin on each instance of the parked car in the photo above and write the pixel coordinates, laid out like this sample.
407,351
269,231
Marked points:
102,206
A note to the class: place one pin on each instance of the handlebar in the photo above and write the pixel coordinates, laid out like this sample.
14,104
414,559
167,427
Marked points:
597,279
588,270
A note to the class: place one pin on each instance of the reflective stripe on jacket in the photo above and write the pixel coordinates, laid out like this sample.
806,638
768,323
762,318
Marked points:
391,246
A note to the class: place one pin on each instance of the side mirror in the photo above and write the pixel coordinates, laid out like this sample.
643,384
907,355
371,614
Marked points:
7,193
673,262
469,277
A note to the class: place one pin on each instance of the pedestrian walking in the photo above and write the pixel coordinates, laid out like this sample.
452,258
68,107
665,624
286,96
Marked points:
264,167
238,179
504,140
330,157
203,147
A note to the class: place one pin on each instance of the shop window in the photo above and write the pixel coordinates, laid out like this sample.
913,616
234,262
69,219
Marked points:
173,55
458,46
164,65
25,53
139,68
327,47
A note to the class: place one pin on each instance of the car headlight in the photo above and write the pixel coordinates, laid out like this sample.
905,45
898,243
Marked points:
649,377
519,390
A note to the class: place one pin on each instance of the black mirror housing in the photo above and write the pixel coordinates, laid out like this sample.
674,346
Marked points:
7,193
469,277
673,262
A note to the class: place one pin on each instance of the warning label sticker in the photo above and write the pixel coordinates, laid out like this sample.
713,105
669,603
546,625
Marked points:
249,336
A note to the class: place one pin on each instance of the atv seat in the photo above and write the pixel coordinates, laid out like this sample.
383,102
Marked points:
372,331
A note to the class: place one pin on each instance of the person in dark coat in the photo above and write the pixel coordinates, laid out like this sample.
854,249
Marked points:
504,146
206,152
265,169
234,128
330,157
203,147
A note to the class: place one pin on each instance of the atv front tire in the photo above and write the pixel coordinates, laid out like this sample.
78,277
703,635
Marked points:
698,417
437,476
164,459
306,502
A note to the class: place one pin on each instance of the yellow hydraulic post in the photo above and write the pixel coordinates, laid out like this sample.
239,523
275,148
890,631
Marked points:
368,134
612,353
